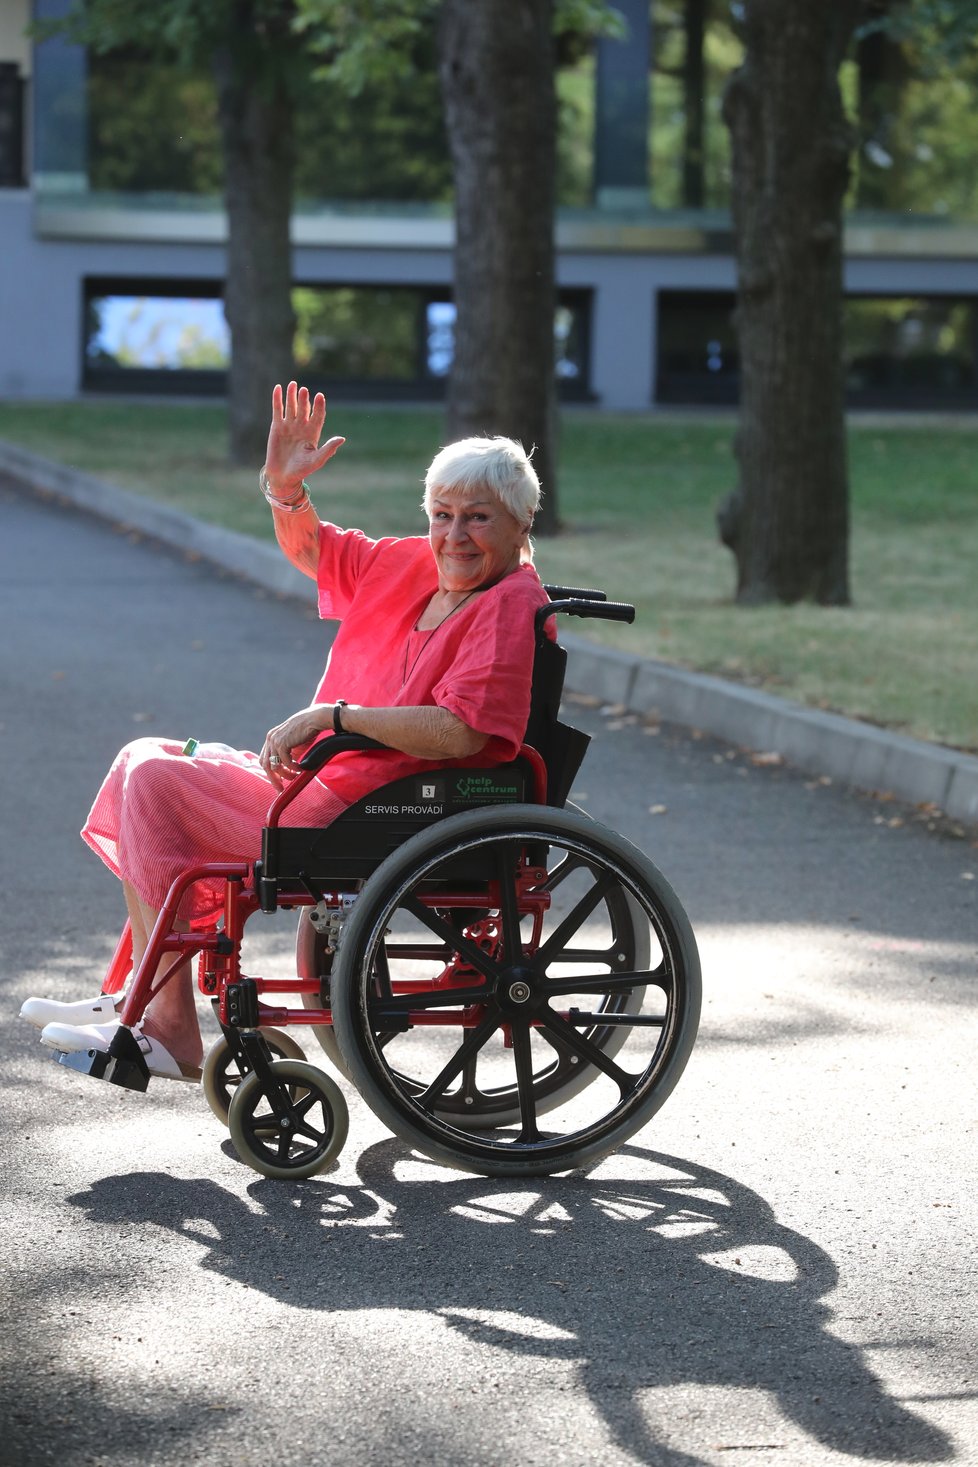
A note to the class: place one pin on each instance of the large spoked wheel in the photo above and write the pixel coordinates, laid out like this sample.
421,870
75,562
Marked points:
626,948
294,1133
522,958
222,1072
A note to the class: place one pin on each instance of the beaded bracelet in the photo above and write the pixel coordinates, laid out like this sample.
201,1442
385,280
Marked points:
287,506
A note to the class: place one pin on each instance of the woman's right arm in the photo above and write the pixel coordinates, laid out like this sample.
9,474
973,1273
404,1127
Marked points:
298,536
292,455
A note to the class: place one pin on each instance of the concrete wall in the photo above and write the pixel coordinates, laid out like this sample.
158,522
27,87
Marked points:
41,295
48,251
15,16
54,236
48,246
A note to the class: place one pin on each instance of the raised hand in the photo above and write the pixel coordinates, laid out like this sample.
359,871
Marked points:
294,451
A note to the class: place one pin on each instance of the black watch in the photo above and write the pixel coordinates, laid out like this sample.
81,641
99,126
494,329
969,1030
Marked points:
339,704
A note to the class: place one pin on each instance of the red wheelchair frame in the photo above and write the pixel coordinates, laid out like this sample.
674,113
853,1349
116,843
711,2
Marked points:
469,881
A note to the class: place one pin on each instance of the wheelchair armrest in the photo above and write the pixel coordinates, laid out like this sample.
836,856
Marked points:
346,743
314,759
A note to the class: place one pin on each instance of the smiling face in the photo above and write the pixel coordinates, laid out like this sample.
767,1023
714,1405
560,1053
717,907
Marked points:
474,539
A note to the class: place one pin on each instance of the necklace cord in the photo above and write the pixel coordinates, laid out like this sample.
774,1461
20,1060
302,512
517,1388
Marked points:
406,671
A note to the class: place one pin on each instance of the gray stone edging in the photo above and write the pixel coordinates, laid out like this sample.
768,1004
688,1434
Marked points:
854,753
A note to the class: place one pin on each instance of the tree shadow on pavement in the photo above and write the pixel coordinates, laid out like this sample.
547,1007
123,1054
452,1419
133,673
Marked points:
649,1273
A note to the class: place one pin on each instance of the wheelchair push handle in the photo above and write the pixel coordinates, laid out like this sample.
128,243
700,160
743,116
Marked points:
574,593
605,610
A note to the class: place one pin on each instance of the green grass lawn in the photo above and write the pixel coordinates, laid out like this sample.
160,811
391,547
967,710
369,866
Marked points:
638,496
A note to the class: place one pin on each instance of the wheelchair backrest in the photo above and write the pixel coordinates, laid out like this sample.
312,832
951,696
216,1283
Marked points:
561,746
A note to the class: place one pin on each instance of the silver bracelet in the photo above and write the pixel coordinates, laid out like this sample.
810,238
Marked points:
287,506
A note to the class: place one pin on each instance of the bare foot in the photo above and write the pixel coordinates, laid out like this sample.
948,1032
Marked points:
184,1043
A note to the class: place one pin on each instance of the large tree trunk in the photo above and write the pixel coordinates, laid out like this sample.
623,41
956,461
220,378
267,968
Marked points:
256,113
497,77
788,520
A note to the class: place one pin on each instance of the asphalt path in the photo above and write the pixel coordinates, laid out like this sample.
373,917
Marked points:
781,1267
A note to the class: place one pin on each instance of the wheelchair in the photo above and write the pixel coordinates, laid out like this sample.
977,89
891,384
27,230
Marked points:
513,988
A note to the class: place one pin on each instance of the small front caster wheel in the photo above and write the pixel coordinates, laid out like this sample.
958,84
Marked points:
222,1072
295,1133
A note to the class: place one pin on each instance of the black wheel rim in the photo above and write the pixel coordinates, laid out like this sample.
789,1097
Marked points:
292,1135
525,992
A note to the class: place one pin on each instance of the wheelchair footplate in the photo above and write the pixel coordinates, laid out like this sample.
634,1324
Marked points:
122,1063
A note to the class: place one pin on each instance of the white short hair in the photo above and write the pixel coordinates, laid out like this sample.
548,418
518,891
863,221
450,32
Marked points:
500,465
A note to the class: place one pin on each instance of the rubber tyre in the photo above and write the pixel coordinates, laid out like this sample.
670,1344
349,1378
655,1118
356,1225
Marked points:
220,1076
365,1022
321,1118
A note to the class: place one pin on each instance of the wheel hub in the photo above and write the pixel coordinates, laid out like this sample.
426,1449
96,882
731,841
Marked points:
516,987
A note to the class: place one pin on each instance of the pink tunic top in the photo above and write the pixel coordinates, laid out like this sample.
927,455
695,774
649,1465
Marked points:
478,663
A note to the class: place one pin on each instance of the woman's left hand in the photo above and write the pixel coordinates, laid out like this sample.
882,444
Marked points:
295,733
293,452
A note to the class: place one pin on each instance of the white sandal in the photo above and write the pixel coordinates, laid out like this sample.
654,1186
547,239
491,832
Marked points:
73,1038
42,1011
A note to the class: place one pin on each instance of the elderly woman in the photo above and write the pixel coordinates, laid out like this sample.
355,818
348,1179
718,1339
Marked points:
433,658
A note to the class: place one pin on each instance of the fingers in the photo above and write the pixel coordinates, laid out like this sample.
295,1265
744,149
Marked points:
276,759
326,453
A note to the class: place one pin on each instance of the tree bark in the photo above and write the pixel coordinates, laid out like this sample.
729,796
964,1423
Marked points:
496,65
787,521
256,116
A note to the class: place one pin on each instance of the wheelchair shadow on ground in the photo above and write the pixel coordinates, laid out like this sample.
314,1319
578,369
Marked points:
651,1272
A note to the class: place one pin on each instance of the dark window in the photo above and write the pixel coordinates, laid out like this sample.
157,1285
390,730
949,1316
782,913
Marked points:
572,320
919,352
370,340
697,348
154,336
11,126
899,352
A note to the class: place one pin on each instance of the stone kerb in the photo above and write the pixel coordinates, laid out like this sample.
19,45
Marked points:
851,752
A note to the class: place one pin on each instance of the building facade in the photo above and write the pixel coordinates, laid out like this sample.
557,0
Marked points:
105,291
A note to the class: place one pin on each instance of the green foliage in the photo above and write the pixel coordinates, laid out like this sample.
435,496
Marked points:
369,128
152,126
940,32
588,18
575,133
187,30
722,54
363,43
363,333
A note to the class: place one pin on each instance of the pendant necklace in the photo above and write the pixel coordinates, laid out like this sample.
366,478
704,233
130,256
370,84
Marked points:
407,671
